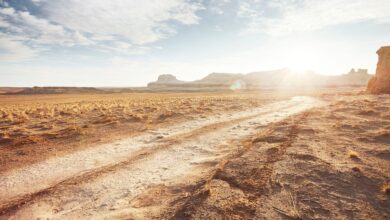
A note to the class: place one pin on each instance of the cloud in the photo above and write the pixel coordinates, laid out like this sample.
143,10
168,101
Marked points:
218,6
3,3
284,17
141,22
13,50
24,35
37,30
121,27
123,48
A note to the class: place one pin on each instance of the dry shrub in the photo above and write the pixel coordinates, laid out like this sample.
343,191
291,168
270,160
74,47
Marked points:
37,114
74,130
103,120
5,138
10,117
386,188
356,169
353,154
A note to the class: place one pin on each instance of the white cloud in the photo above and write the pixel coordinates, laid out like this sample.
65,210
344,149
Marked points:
24,35
218,6
37,30
13,50
121,27
3,23
307,15
140,22
123,48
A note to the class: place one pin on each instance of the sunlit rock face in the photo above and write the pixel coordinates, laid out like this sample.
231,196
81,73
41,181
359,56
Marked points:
165,80
380,83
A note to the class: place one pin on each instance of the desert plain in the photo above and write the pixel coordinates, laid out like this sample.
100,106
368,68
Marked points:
272,154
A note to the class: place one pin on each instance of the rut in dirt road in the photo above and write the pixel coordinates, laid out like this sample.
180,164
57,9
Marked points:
113,190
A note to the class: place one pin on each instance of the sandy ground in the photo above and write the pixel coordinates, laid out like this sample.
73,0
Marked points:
34,128
134,165
328,163
301,158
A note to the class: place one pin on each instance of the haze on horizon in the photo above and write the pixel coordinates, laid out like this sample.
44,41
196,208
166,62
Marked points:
130,43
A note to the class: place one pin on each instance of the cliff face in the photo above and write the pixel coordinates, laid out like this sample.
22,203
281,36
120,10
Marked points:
380,83
165,80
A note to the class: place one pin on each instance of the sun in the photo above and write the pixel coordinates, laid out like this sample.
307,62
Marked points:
301,58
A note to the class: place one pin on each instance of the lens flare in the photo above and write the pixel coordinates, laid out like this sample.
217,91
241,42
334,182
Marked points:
238,85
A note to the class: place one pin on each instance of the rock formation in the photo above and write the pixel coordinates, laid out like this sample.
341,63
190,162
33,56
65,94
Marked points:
165,80
380,83
357,78
359,71
282,78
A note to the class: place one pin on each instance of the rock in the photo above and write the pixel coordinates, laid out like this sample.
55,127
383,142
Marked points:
359,71
380,83
283,78
166,80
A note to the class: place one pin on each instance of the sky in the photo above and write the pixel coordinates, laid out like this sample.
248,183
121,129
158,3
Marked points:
130,42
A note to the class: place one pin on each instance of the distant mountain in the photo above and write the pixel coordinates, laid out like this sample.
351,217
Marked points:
287,78
10,90
353,78
219,79
265,79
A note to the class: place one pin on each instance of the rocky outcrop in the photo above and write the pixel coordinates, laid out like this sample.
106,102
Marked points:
358,72
380,83
165,80
358,77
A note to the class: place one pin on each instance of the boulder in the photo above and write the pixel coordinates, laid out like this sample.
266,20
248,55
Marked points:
380,83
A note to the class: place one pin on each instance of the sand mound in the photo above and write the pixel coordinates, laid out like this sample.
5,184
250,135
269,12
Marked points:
380,83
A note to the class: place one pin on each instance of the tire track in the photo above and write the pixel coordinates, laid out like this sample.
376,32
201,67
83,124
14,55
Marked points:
90,175
153,155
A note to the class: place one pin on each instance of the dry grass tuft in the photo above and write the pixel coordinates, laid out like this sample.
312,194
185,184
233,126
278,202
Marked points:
353,154
356,169
386,188
55,117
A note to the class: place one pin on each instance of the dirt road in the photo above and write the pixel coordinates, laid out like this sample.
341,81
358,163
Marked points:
100,181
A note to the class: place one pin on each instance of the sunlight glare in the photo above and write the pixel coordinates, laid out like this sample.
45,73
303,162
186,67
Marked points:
302,58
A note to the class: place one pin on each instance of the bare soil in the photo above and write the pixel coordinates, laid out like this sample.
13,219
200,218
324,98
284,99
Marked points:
328,163
34,128
115,173
251,157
